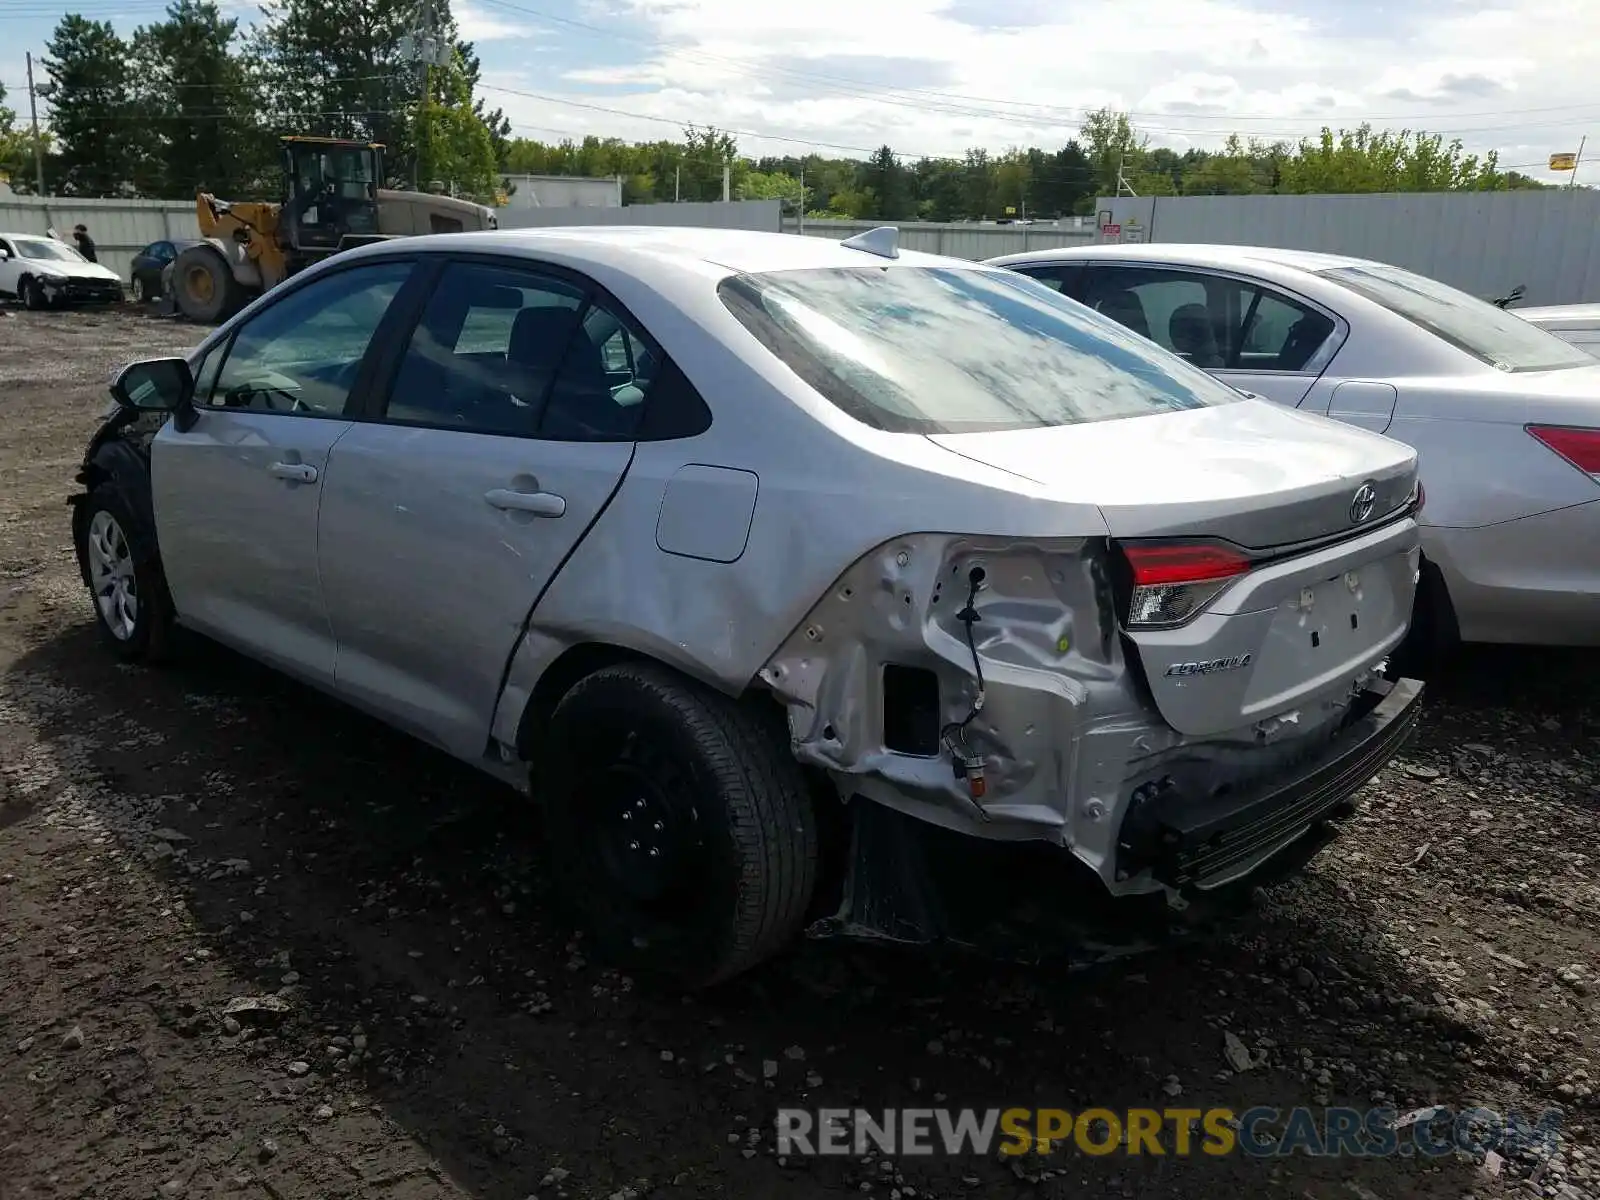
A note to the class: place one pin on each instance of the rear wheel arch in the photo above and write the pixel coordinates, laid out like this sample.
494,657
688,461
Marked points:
576,663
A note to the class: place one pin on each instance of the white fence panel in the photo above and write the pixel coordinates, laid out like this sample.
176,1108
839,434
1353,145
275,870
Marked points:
960,239
1482,242
759,215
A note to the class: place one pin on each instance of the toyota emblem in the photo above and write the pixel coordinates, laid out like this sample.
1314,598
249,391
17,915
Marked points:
1362,503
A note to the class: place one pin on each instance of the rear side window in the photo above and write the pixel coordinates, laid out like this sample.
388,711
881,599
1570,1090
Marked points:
502,350
956,350
1490,334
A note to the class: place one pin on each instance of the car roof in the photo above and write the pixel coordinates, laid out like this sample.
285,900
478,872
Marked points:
728,251
1194,254
31,237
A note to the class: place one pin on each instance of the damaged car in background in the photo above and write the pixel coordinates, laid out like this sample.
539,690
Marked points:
805,585
43,272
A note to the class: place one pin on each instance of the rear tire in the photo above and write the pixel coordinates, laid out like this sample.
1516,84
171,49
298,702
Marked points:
204,287
681,827
132,607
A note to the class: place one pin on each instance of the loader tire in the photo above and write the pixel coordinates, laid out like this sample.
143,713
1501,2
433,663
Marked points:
204,287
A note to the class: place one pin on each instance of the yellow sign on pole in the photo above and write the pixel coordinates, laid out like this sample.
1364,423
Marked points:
1563,162
1011,210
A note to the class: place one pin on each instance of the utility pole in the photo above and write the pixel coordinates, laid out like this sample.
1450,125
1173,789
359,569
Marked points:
677,182
33,114
800,209
1576,159
426,46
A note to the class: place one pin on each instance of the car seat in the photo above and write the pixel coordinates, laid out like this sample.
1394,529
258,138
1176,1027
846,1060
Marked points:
1192,335
1125,308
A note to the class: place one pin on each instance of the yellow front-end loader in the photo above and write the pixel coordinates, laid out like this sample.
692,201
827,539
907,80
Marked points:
331,202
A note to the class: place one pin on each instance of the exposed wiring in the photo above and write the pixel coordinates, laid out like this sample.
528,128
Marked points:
968,764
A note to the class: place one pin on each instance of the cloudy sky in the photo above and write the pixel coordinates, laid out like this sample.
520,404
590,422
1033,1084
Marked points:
938,76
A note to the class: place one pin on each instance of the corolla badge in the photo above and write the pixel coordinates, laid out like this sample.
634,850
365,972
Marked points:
1362,503
1209,666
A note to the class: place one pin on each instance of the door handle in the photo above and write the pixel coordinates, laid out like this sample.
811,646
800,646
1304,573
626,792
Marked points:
540,504
295,472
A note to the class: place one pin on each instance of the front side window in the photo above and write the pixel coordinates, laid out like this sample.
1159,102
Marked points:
302,355
507,351
955,350
44,249
1490,334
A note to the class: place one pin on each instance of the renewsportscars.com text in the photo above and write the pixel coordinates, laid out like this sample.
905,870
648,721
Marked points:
1257,1132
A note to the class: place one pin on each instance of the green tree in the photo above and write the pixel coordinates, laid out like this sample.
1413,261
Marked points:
106,142
204,101
334,68
884,182
1112,145
1366,160
452,145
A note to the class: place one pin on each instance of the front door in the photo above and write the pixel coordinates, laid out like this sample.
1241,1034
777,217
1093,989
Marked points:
237,494
507,428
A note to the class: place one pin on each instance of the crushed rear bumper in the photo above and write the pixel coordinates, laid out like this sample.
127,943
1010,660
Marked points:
908,881
1194,842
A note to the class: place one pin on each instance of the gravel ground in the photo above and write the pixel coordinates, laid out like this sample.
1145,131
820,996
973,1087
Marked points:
251,943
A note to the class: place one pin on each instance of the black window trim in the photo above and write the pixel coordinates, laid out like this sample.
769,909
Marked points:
1074,273
1315,365
354,400
396,340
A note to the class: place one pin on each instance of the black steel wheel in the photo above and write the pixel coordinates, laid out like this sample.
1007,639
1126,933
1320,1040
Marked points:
681,827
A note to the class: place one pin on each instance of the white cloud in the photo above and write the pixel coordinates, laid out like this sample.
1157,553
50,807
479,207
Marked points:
478,25
911,74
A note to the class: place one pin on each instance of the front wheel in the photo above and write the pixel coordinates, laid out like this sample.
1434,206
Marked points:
33,297
133,611
140,295
681,827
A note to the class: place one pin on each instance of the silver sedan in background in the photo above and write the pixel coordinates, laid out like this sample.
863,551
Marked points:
1575,323
1505,416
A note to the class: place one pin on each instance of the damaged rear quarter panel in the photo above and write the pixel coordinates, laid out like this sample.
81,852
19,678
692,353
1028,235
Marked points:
829,491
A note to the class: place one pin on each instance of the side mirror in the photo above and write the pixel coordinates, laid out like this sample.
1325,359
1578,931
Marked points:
4,254
154,385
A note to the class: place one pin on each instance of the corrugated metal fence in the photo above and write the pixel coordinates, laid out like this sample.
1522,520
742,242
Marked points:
119,227
1482,242
760,215
959,239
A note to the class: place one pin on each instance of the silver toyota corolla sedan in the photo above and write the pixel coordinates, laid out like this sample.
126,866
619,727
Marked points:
1505,416
797,580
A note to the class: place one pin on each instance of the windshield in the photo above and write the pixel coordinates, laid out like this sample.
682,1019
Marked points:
47,249
1502,339
953,350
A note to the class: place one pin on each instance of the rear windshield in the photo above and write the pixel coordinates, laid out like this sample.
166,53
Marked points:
955,350
1490,334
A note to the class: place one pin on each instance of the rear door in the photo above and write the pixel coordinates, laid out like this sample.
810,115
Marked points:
505,426
237,493
1254,336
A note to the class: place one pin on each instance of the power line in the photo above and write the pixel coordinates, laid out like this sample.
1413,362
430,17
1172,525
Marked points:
680,124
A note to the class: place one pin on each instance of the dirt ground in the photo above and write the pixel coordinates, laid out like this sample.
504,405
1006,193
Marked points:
175,840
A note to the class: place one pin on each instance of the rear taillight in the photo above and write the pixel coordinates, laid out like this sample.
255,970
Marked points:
1580,447
1172,582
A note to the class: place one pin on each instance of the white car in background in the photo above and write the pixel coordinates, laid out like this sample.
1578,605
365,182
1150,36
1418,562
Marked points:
1505,416
1578,324
42,272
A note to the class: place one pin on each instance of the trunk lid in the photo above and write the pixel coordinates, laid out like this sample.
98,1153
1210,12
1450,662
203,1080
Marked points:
1302,575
